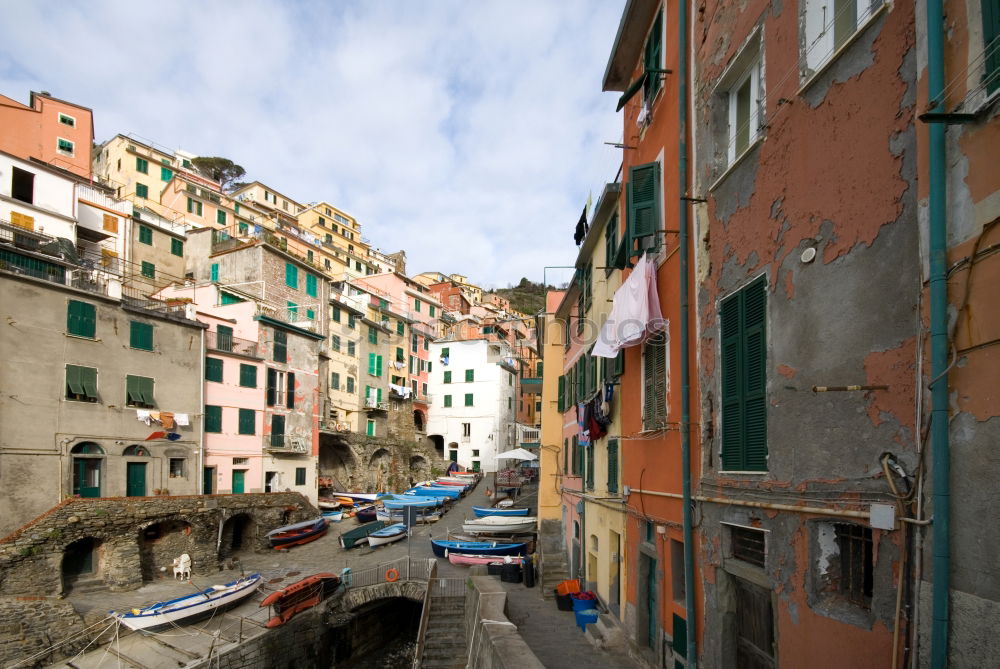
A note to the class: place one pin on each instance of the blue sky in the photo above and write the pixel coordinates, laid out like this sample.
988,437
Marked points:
467,133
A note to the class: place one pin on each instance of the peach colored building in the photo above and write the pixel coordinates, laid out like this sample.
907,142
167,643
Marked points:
54,131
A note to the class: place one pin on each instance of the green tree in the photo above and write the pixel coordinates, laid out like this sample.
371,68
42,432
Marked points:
219,169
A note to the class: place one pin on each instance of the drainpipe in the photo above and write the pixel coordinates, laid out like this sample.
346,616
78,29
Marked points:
937,236
682,170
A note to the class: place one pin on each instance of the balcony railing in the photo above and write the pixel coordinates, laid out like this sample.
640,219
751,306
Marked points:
283,443
215,341
99,197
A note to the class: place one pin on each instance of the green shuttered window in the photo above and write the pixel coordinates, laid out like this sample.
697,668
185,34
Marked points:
81,383
177,247
311,285
468,399
291,275
81,319
213,418
447,377
447,401
654,385
148,270
141,335
280,346
643,194
141,190
613,465
470,375
991,45
248,376
744,379
138,391
145,235
213,369
248,421
653,57
562,394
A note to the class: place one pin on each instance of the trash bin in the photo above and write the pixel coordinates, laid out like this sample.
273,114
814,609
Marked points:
583,601
529,572
563,602
585,617
510,573
568,587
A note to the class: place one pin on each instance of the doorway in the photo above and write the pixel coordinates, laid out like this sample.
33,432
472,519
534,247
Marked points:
270,482
208,480
239,478
87,470
754,626
81,561
647,623
135,479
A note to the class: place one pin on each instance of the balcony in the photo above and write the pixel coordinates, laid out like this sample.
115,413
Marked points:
99,197
373,405
230,344
285,444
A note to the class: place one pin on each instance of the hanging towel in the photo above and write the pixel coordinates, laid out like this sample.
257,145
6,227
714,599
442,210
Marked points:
156,435
155,415
181,419
635,312
167,418
142,415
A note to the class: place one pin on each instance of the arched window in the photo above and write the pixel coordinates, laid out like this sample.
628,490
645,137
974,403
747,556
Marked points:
137,451
87,448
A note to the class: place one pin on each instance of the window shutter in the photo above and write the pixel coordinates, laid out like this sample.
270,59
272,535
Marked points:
73,380
248,376
732,408
470,375
247,420
213,369
280,346
214,276
755,406
278,428
378,365
612,465
291,275
290,395
378,395
311,288
88,378
213,418
643,204
991,45
146,388
132,393
272,382
562,394
371,364
81,319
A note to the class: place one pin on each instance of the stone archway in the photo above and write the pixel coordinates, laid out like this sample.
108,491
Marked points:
160,543
81,562
239,534
380,465
419,420
420,469
337,465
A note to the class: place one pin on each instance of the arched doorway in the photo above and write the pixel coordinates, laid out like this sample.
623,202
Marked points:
438,442
337,465
419,469
160,543
419,420
135,470
238,535
88,460
81,562
379,464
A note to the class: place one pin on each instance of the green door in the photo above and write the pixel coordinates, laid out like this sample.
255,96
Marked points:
238,476
135,479
475,465
208,480
87,477
651,602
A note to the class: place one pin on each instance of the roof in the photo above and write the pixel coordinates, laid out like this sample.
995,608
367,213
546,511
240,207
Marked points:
291,328
629,42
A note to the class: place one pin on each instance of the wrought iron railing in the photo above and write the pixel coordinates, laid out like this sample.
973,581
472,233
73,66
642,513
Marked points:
408,569
228,343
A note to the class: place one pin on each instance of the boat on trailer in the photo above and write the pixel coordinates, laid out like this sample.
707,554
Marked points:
189,608
299,596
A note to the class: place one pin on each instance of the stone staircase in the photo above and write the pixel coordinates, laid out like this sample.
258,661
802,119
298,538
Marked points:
444,639
553,560
605,633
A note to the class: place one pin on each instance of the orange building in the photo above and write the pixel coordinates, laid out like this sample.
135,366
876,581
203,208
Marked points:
48,129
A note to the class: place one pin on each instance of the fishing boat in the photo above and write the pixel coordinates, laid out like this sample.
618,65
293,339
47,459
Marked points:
359,496
400,515
443,548
328,503
483,511
464,559
191,607
438,491
418,501
359,534
456,479
504,524
297,533
452,482
334,516
366,515
387,535
299,596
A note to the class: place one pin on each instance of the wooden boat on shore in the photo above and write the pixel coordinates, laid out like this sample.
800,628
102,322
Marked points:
359,496
402,501
334,516
189,608
359,534
483,511
387,535
298,533
443,548
438,491
299,596
501,524
464,559
367,514
398,516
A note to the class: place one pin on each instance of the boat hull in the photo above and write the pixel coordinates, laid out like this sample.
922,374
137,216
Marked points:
352,538
387,535
463,559
501,524
440,546
297,535
399,516
483,511
299,596
190,608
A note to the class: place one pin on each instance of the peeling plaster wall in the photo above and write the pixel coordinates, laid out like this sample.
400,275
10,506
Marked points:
835,171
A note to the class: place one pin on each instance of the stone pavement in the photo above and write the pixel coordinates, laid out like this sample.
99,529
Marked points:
550,633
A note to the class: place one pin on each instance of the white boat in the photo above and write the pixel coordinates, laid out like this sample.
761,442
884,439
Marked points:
387,535
502,524
189,607
397,516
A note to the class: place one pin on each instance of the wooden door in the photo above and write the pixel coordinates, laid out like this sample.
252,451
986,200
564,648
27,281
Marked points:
754,627
87,477
238,480
135,479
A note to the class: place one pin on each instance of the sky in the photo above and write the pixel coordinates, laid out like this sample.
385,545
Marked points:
468,133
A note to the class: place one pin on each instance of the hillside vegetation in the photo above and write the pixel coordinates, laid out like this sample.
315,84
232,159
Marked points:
527,296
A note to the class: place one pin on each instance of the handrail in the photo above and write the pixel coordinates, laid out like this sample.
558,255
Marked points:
424,617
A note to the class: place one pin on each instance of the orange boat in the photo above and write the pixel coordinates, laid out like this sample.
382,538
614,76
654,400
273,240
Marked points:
299,596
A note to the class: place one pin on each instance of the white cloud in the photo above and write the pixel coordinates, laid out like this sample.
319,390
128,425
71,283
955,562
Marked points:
468,134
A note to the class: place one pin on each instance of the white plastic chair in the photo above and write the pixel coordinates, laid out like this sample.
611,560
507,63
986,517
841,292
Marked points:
182,566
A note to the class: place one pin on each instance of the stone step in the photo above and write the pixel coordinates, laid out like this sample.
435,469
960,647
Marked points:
443,652
88,585
451,663
611,630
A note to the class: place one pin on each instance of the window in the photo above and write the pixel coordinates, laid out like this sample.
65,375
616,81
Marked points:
310,315
141,190
177,247
351,348
111,223
845,563
81,319
677,586
468,399
372,335
214,275
166,174
590,465
67,120
141,335
466,429
213,369
644,203
400,328
223,338
291,276
510,403
829,24
453,454
445,352
248,376
414,343
142,165
470,375
81,383
416,305
277,431
612,465
744,380
138,391
280,346
311,288
213,418
423,389
991,46
577,468
300,476
447,401
248,421
336,314
400,354
64,146
370,428
447,377
654,384
291,390
653,58
276,386
747,544
741,91
335,343
374,364
352,321
350,384
335,381
177,468
194,206
562,394
22,185
145,235
220,217
431,310
475,452
148,270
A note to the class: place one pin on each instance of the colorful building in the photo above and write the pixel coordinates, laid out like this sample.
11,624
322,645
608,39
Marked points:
57,133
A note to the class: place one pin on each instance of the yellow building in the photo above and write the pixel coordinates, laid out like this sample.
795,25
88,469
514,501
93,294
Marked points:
340,234
551,334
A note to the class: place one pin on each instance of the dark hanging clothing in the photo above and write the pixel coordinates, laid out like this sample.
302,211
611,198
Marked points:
581,228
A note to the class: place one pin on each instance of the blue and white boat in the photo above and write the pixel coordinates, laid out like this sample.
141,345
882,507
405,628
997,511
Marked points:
442,547
189,607
402,501
387,535
334,516
483,511
393,516
438,492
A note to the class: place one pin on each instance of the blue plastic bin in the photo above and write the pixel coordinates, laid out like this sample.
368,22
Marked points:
585,617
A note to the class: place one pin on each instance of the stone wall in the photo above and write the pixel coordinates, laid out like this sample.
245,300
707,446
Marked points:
493,642
136,538
369,464
28,625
